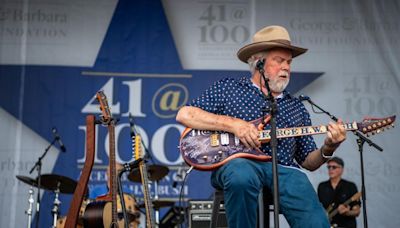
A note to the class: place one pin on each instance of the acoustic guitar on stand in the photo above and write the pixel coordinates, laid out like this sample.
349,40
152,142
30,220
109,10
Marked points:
104,213
208,150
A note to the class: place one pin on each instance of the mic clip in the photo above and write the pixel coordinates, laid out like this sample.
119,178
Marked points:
132,165
260,64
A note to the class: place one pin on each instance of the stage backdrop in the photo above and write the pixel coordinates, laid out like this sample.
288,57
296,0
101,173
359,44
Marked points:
152,57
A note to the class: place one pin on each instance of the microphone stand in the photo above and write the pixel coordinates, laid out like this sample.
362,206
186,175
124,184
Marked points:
127,167
273,110
38,167
121,197
360,142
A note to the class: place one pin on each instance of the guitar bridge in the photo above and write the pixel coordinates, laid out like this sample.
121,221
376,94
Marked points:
214,140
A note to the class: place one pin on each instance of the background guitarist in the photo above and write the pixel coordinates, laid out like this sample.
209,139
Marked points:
334,192
230,103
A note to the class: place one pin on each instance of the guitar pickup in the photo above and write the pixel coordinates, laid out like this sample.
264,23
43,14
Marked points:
237,141
214,140
224,139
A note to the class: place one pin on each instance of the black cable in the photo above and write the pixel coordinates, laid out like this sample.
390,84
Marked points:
122,200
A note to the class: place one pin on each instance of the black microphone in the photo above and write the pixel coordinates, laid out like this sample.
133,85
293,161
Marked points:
58,138
260,64
304,98
132,165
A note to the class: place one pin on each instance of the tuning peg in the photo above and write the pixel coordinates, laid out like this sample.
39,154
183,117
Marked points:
367,134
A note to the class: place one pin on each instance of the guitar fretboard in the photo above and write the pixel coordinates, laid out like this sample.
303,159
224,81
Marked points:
300,131
145,183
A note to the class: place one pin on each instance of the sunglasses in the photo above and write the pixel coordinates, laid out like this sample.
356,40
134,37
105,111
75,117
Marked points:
333,166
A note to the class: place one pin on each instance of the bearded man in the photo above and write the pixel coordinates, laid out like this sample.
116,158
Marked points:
229,104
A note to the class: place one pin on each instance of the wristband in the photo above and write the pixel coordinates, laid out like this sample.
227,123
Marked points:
323,155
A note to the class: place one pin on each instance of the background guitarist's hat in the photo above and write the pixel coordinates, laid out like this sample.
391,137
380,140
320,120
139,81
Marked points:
337,160
267,38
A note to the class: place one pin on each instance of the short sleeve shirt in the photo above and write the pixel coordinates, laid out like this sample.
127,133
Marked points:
344,190
240,98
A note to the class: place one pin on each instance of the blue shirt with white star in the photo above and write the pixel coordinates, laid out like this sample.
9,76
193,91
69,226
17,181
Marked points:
240,98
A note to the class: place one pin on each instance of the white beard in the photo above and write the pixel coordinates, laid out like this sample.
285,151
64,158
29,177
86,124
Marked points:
279,84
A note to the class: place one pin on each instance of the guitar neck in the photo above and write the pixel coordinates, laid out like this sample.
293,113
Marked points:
146,195
113,177
145,183
355,197
265,135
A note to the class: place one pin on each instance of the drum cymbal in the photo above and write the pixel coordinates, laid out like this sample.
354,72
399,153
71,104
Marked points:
50,182
157,204
27,180
156,173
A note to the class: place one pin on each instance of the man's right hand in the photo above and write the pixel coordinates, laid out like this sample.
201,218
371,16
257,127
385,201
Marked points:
247,133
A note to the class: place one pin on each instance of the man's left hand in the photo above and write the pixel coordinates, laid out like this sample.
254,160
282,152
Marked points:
336,134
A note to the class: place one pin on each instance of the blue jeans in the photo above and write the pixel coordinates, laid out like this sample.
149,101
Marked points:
242,180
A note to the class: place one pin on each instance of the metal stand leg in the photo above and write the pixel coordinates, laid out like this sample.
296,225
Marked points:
30,208
156,210
56,205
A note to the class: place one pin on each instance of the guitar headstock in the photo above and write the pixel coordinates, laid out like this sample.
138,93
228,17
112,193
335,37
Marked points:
376,125
105,109
138,147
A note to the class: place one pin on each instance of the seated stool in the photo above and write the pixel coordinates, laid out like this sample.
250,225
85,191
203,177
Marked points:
265,198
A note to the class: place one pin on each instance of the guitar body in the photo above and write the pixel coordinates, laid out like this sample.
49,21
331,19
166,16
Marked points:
98,214
208,150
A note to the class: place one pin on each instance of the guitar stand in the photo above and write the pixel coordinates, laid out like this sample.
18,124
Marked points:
30,208
56,205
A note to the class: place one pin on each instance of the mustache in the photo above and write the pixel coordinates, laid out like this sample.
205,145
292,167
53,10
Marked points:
284,73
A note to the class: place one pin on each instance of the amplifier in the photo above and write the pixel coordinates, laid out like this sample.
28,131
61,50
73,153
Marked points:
200,214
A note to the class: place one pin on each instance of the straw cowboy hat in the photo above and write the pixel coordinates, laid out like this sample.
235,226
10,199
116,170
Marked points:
267,38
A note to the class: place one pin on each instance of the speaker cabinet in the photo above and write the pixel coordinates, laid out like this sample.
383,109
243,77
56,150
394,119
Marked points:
200,214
